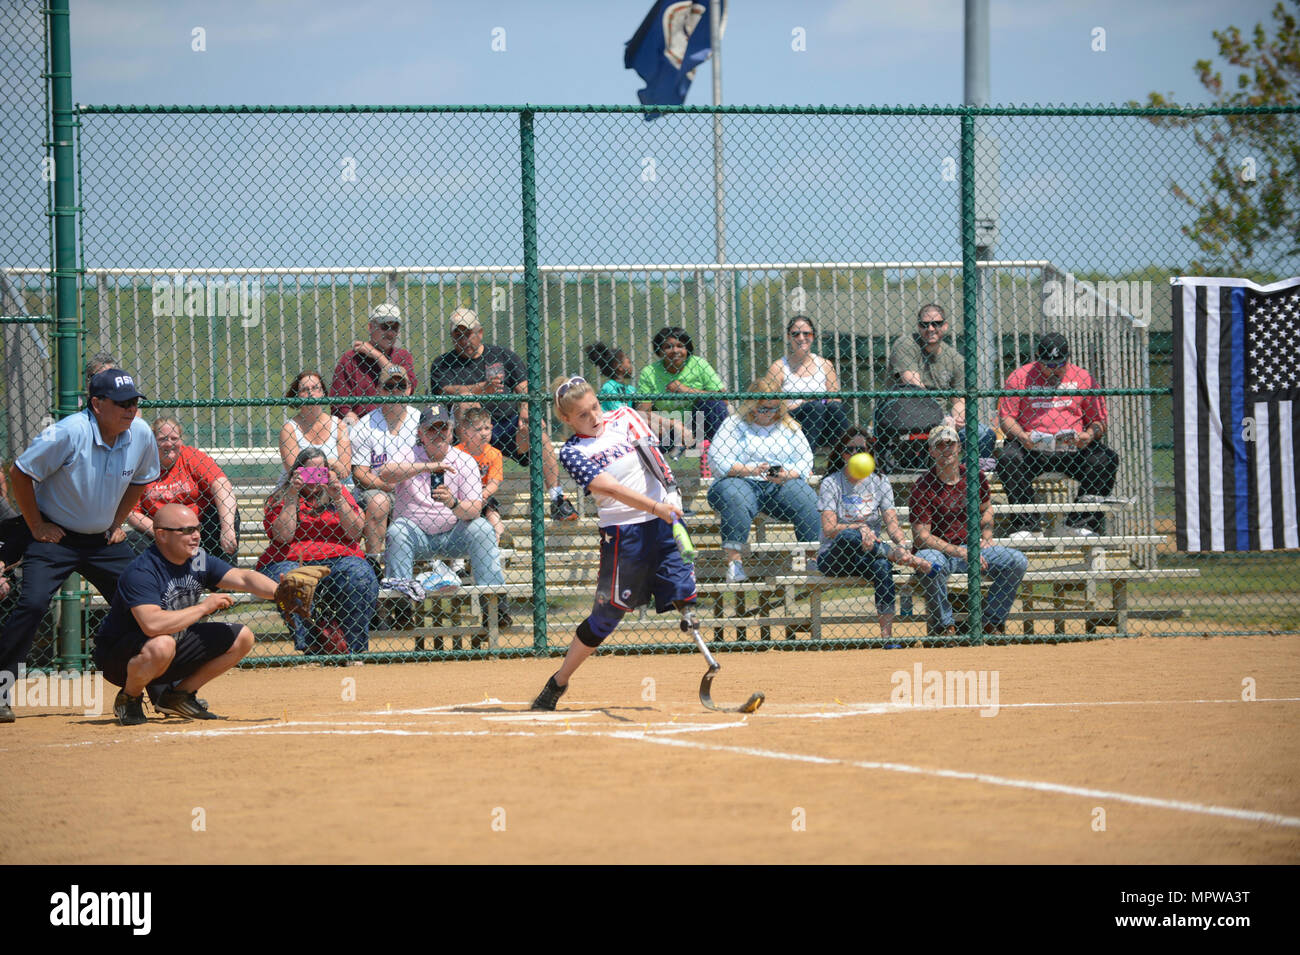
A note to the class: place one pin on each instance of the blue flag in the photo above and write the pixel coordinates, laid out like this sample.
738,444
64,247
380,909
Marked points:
670,43
1236,384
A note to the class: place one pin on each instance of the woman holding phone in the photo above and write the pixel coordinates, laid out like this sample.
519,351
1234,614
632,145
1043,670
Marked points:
313,519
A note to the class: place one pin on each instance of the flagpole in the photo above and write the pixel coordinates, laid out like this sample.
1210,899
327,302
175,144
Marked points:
720,283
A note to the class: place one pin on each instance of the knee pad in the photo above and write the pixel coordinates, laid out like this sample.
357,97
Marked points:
599,625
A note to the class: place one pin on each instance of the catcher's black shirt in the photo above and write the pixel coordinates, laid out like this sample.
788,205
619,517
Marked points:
152,579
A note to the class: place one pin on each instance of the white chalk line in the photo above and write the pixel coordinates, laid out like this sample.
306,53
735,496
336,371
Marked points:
1248,815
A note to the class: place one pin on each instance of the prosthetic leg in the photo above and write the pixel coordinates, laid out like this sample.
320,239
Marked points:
691,625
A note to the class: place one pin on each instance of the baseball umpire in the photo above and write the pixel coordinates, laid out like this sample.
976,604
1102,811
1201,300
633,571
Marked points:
75,484
155,637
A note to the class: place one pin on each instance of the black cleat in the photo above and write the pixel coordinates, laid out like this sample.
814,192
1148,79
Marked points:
549,696
185,705
129,710
156,690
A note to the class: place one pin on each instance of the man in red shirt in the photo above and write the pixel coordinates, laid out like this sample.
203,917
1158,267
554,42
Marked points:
937,507
1060,432
360,370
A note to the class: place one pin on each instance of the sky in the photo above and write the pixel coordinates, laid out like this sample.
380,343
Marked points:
270,191
857,51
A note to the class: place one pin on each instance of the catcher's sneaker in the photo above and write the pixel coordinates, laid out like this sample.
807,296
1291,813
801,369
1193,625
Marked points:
129,710
185,705
6,713
549,696
156,690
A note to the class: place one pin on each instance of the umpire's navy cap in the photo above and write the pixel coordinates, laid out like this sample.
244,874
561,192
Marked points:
114,383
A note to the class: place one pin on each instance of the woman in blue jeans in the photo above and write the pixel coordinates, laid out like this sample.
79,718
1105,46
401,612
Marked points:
761,462
856,517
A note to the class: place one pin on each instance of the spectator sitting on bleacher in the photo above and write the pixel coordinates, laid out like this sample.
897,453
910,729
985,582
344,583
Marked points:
473,368
362,369
616,366
856,516
763,462
314,427
382,435
1054,433
474,425
437,508
312,519
801,371
192,478
923,361
681,371
938,514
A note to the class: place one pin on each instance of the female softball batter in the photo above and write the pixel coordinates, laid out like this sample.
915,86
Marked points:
611,455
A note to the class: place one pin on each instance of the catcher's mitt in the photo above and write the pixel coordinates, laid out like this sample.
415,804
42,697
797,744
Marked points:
294,593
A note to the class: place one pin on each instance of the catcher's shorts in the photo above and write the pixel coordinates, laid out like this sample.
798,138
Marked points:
195,646
638,560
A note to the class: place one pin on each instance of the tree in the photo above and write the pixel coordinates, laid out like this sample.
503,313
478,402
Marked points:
1248,209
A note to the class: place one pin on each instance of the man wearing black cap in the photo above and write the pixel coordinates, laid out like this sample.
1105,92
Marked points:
1059,432
75,484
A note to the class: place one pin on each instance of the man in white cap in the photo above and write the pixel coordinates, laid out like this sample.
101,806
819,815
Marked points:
361,369
473,368
937,504
75,485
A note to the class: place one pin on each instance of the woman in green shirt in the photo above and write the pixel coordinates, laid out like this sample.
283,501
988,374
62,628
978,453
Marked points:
680,371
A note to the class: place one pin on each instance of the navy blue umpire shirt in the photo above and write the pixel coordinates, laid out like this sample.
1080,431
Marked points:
151,579
80,478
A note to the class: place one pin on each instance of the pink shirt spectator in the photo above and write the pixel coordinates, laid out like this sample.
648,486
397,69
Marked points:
413,498
1052,413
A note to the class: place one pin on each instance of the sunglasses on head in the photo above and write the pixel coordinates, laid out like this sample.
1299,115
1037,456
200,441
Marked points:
564,389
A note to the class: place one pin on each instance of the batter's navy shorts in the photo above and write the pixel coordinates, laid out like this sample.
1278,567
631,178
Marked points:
640,560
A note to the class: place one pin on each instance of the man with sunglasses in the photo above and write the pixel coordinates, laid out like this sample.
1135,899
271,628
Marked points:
922,360
1058,433
379,437
155,638
75,485
361,370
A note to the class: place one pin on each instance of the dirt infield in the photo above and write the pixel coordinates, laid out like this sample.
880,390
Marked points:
1138,750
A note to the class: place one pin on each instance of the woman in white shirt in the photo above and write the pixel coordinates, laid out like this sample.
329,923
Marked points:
803,372
761,462
313,426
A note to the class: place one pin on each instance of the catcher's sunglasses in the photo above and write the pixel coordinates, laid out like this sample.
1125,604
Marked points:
179,530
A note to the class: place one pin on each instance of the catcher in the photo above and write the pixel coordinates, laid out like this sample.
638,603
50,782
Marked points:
155,638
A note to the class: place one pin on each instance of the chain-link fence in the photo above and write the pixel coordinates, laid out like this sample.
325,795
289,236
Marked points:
316,299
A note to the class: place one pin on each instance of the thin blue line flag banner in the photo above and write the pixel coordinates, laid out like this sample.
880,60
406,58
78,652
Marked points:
670,43
1236,413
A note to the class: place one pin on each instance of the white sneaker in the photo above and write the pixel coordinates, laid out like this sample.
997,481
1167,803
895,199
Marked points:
439,581
1024,537
1080,532
736,572
404,586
